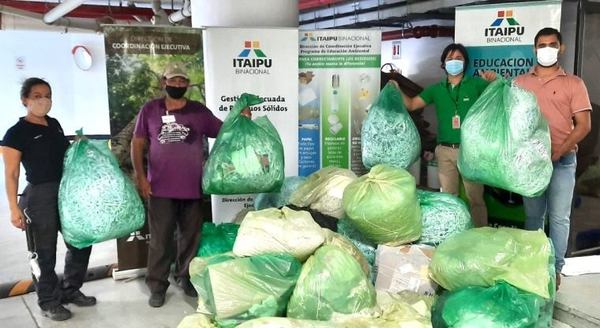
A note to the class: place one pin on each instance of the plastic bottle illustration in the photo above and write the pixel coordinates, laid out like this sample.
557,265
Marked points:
334,120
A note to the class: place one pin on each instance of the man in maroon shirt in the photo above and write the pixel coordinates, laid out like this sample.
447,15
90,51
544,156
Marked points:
174,128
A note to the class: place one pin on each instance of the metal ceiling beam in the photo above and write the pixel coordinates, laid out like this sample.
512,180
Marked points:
84,11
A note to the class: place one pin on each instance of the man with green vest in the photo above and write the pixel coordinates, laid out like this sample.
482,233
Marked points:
452,97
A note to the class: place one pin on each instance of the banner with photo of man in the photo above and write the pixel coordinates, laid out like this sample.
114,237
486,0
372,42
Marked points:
136,58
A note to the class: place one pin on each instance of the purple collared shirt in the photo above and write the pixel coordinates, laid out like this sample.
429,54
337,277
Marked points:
175,154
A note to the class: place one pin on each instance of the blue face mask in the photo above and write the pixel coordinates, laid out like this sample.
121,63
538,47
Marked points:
454,66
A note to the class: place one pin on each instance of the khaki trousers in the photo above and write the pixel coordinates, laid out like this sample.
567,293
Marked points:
449,176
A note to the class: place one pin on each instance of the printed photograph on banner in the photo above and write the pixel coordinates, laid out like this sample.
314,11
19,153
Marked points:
136,59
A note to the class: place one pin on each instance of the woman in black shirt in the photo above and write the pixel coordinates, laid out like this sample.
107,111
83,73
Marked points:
38,142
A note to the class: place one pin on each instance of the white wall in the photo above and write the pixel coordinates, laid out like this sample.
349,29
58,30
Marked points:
10,22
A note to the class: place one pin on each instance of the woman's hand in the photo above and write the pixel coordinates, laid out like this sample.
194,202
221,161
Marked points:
17,218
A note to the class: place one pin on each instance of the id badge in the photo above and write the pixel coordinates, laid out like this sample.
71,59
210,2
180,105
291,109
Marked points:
168,119
456,122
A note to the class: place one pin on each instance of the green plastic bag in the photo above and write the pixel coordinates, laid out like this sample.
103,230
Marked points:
247,156
443,215
331,281
499,306
217,239
323,191
335,239
232,289
389,135
281,197
367,248
383,206
485,256
96,201
513,153
393,310
278,231
285,323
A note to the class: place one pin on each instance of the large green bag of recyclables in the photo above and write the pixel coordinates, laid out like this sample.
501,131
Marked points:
281,197
247,156
233,289
331,281
217,239
389,136
367,248
485,256
96,201
443,215
323,191
278,231
499,306
505,141
383,206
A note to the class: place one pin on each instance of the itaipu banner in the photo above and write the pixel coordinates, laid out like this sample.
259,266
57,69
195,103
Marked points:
264,62
500,37
339,77
136,58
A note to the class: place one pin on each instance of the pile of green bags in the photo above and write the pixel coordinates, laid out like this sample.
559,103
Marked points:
402,310
96,201
484,256
278,231
389,136
233,289
217,239
247,156
513,152
383,206
331,281
323,191
281,197
443,215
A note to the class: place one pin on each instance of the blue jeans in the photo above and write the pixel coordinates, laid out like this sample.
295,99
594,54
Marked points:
556,203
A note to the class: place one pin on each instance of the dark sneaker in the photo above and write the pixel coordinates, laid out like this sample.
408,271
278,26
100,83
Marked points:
156,299
79,299
557,280
188,288
57,313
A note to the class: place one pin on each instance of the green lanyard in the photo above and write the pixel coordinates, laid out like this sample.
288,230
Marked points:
454,99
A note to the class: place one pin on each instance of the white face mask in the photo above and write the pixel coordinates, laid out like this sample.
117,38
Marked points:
547,56
39,107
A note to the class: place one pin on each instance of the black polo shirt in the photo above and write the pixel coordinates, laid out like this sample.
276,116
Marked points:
42,149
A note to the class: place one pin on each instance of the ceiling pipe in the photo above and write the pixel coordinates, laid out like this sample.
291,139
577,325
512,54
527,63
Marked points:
185,12
59,11
433,31
160,16
66,22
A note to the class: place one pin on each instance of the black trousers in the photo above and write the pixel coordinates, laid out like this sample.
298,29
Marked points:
41,204
165,216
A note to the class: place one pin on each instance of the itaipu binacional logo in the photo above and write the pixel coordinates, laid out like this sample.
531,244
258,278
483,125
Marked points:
504,28
252,60
308,36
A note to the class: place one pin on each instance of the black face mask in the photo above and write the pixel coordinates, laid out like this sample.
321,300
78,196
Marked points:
175,92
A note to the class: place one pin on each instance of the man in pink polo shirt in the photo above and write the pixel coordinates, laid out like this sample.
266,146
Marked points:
564,101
